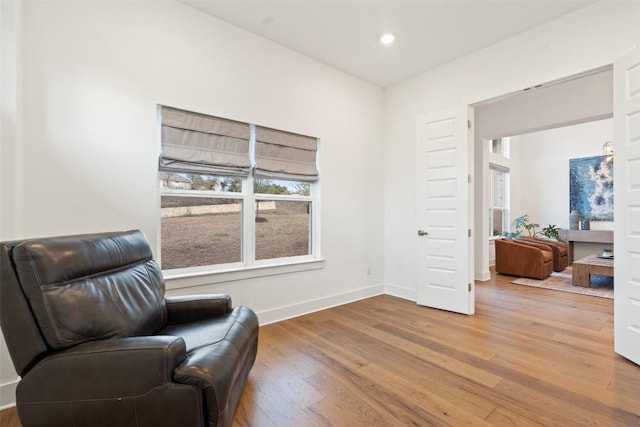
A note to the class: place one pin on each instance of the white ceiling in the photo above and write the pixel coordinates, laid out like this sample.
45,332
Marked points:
345,33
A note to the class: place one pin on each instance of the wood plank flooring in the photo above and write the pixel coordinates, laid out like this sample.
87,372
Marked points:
528,357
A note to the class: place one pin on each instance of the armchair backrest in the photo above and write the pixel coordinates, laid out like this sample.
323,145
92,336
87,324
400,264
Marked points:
66,290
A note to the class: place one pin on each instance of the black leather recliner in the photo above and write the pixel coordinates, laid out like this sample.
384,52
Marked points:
97,343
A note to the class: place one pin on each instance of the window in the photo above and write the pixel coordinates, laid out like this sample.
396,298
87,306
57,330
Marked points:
283,224
234,195
197,229
498,200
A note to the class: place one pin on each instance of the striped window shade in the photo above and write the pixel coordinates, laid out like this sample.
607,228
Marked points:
201,144
285,155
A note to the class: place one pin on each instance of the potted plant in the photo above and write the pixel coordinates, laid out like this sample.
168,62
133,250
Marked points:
607,252
522,223
550,231
519,224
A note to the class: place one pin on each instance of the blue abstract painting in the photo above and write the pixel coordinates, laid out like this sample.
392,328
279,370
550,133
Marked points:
591,187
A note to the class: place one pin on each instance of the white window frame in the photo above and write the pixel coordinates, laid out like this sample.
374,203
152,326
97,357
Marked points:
249,267
506,210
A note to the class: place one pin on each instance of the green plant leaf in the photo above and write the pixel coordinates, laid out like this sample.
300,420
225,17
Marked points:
551,231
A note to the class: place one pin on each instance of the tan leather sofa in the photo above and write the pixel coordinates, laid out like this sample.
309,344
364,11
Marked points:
523,259
559,250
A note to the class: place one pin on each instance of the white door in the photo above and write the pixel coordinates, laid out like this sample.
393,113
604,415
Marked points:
443,276
626,181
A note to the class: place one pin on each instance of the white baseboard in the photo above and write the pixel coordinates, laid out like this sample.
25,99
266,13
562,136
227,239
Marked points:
310,306
483,276
401,292
8,394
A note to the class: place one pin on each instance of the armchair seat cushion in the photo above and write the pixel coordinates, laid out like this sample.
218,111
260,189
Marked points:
238,327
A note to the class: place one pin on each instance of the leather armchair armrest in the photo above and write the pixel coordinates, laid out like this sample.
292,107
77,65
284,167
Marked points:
104,369
192,308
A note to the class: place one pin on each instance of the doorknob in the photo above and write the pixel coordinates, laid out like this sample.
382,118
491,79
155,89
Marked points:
422,233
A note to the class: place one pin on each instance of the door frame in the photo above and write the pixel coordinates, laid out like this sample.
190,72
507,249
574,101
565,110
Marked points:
470,104
481,246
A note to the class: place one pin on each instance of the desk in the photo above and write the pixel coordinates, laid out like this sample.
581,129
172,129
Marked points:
588,236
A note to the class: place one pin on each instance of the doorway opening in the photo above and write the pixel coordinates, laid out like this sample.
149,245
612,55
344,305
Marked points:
547,125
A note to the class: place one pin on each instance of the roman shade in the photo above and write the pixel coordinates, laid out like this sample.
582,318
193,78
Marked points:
201,144
285,155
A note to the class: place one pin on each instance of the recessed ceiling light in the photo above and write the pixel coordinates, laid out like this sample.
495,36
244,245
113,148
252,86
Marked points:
387,39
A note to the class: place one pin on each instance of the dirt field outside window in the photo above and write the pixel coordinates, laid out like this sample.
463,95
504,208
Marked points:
210,239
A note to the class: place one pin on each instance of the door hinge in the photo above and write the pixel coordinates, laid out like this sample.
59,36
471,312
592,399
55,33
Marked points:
469,178
468,124
469,287
469,232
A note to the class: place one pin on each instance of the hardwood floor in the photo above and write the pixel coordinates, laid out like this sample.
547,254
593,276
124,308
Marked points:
528,357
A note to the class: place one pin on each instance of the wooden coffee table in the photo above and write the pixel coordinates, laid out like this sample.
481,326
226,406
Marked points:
591,264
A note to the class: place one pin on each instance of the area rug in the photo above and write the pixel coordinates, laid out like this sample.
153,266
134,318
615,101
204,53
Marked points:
601,286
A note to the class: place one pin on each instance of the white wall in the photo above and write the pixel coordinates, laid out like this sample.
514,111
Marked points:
545,172
548,153
9,152
589,38
85,156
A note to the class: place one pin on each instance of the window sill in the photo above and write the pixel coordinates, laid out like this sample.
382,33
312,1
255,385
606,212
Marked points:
187,279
